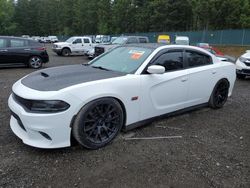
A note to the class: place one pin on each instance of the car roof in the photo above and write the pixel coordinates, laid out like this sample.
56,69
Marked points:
145,45
133,36
166,46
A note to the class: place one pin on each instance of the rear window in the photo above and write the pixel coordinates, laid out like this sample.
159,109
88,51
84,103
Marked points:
123,59
34,43
196,59
18,43
86,40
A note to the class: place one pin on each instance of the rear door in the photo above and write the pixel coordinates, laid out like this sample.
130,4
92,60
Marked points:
19,50
202,76
87,44
4,51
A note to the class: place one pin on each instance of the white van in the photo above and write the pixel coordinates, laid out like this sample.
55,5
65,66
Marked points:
182,40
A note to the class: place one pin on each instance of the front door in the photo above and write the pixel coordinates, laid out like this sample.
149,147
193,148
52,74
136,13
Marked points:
165,93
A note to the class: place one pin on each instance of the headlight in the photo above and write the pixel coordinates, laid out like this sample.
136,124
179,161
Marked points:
41,106
48,106
242,59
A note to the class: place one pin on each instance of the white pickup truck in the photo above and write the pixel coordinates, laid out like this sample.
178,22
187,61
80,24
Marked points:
74,45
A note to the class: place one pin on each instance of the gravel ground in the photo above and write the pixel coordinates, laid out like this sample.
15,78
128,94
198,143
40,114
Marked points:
213,150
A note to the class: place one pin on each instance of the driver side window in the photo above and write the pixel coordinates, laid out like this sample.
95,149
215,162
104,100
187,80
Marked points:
171,60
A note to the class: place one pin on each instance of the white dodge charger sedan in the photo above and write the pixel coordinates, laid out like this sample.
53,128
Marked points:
122,89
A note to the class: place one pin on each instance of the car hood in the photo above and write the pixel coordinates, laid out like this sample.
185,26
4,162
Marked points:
54,79
61,43
246,55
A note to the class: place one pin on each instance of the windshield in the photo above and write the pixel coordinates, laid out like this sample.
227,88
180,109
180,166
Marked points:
120,40
70,40
182,42
122,59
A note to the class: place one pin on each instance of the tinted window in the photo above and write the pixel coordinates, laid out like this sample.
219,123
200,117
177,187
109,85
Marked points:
34,43
77,41
17,43
171,60
86,40
132,40
3,43
142,40
195,59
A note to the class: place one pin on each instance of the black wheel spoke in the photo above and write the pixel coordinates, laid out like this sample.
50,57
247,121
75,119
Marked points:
221,93
102,122
90,127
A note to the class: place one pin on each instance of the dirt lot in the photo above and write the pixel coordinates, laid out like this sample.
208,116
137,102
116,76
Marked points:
214,150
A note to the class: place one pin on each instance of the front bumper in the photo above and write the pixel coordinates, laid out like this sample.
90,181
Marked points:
243,72
57,50
242,68
50,130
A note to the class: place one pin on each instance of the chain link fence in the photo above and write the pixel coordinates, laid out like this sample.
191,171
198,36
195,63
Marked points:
218,37
239,37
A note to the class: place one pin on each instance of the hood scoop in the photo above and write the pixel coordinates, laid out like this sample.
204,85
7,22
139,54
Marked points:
44,74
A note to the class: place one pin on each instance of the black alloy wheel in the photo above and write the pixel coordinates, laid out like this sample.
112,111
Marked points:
220,94
98,123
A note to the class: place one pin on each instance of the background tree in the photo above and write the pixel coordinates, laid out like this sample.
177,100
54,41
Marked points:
81,17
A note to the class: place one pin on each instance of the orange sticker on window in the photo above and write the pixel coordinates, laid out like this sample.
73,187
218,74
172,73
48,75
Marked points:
136,56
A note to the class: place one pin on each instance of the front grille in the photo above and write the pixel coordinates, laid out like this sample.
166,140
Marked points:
18,120
246,71
25,103
99,51
247,64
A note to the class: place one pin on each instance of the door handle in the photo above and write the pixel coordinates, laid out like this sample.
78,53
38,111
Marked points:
27,49
184,79
3,50
214,72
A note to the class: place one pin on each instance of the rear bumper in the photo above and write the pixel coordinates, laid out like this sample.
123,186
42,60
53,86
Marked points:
45,58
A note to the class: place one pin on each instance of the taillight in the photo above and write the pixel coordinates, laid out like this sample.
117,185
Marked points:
41,49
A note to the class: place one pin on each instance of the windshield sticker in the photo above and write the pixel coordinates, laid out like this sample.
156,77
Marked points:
135,54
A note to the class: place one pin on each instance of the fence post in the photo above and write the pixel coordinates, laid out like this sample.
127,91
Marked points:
243,37
221,34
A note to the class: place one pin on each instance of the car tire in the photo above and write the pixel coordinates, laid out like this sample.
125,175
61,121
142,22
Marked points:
66,52
35,62
219,95
241,76
98,123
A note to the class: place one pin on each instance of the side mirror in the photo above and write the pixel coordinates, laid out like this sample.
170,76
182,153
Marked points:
156,69
74,42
